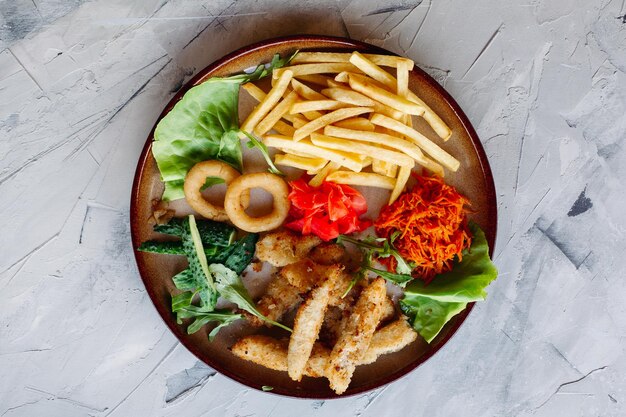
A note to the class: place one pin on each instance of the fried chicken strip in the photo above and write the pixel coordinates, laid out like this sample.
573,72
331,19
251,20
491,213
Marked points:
279,298
357,335
284,247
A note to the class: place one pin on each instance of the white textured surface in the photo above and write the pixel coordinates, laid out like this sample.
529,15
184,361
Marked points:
81,84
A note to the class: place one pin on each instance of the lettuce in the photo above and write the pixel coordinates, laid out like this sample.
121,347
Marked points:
431,306
203,125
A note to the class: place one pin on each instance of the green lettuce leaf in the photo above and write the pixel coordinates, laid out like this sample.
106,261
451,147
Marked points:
203,125
430,307
467,280
231,288
428,316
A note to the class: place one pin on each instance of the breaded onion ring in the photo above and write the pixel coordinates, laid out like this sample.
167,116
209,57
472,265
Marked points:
271,183
195,179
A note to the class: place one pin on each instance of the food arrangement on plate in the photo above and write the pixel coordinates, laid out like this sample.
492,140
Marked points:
348,285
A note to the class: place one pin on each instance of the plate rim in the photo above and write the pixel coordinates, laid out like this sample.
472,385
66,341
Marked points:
339,42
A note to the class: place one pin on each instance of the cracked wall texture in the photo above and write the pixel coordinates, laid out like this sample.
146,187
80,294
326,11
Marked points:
81,84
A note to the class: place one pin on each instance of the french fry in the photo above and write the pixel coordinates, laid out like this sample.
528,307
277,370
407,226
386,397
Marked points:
317,180
310,164
298,121
276,114
394,101
373,70
284,128
436,123
254,91
315,105
348,96
327,119
306,326
354,341
305,91
334,84
367,162
318,68
270,100
366,179
381,139
357,123
382,60
384,168
343,159
402,83
432,149
329,142
403,177
317,79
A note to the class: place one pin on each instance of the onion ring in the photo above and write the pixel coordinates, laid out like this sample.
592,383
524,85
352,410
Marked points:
196,178
271,183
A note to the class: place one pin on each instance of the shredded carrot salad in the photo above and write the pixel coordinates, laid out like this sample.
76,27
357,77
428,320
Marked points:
432,222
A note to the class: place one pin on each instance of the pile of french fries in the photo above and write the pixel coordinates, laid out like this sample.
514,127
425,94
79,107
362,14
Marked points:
315,280
338,114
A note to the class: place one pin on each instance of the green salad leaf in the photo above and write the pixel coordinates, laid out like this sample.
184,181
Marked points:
428,316
203,125
431,306
192,244
211,181
467,280
232,289
255,143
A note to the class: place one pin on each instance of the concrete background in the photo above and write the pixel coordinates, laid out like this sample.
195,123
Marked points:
81,84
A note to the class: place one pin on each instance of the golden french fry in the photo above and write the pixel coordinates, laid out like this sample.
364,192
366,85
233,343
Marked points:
436,123
373,70
366,179
394,157
317,79
403,177
334,84
367,162
270,100
433,166
284,128
254,91
384,168
355,339
311,164
365,87
306,326
402,83
298,121
305,91
319,68
432,149
276,114
287,144
346,95
357,123
382,60
315,105
382,139
327,119
317,180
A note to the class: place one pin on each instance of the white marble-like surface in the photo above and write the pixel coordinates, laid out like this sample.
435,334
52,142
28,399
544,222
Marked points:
81,84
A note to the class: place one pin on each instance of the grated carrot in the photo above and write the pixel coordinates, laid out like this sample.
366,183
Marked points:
432,222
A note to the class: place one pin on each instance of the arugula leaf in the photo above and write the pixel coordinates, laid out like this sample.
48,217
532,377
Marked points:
203,125
211,181
431,306
182,307
467,280
398,279
428,316
232,289
255,143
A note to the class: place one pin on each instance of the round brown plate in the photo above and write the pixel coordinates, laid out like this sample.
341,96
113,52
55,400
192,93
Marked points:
473,179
